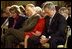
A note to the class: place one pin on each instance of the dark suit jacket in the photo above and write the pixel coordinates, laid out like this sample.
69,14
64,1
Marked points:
27,26
19,22
57,26
30,23
69,21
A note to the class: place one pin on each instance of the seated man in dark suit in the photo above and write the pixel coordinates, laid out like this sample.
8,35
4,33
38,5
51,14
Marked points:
55,26
16,20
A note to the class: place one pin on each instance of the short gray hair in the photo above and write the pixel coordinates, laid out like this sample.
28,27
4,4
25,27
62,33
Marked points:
49,5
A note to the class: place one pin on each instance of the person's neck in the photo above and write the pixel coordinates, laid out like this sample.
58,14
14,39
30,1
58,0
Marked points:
16,17
53,14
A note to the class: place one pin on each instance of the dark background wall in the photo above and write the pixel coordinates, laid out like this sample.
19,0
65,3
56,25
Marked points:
38,3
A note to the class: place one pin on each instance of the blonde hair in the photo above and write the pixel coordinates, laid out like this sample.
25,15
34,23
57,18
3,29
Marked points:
38,9
30,5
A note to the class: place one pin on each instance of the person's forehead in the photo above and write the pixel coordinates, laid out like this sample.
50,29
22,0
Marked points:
46,9
28,8
13,11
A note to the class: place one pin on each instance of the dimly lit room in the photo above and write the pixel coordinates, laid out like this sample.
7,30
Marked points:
36,24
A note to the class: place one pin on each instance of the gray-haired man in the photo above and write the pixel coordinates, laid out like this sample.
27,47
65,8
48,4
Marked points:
55,26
